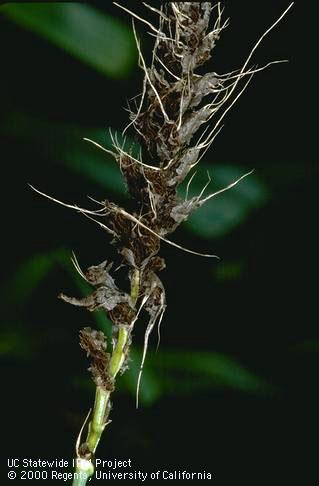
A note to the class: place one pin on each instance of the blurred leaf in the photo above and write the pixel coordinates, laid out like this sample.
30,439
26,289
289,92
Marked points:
12,344
63,143
151,388
222,370
216,218
311,345
14,340
228,270
100,167
224,212
19,343
28,276
104,172
164,373
176,372
93,37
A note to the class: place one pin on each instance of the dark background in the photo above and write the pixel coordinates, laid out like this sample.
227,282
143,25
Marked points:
253,311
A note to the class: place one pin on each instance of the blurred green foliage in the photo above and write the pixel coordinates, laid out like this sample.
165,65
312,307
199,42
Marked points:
81,30
187,372
215,219
222,214
107,46
165,372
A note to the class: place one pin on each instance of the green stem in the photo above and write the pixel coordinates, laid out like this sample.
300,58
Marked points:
81,480
97,424
135,286
83,471
84,468
118,355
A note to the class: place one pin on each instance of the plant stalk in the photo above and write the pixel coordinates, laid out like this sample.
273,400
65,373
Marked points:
83,471
84,467
98,423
